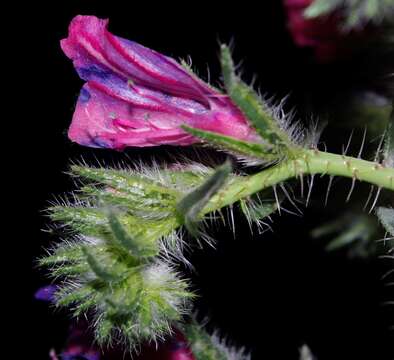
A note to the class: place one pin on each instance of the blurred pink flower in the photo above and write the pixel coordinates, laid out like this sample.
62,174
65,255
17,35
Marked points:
135,96
80,345
322,33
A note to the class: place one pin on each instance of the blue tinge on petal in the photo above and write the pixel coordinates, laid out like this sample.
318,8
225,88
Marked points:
93,71
84,96
101,143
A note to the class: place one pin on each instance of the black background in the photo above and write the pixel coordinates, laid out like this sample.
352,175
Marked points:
270,292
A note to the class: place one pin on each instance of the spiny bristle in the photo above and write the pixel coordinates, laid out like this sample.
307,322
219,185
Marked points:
258,209
285,119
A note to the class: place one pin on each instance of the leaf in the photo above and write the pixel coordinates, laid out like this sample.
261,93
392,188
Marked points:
251,149
361,230
131,183
252,106
190,206
85,220
352,230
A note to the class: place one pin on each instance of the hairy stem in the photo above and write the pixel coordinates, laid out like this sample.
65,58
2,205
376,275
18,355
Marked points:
309,162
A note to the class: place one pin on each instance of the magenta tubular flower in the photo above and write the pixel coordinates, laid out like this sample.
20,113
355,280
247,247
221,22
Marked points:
134,96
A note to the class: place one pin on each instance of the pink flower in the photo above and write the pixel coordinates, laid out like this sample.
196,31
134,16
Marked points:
175,348
80,345
322,33
134,96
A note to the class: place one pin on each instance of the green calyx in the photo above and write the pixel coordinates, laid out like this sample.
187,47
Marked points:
256,111
276,136
252,150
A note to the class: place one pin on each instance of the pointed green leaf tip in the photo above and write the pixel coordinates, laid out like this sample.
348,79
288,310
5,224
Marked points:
249,149
190,206
228,68
252,106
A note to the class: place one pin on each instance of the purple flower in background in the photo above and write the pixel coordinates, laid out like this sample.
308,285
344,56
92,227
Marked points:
134,96
46,293
80,345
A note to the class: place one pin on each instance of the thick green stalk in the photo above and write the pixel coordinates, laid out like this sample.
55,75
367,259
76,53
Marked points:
309,162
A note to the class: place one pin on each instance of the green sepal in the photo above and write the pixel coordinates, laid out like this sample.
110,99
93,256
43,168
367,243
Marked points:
136,205
252,106
138,185
189,207
66,297
228,69
251,149
94,222
62,255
